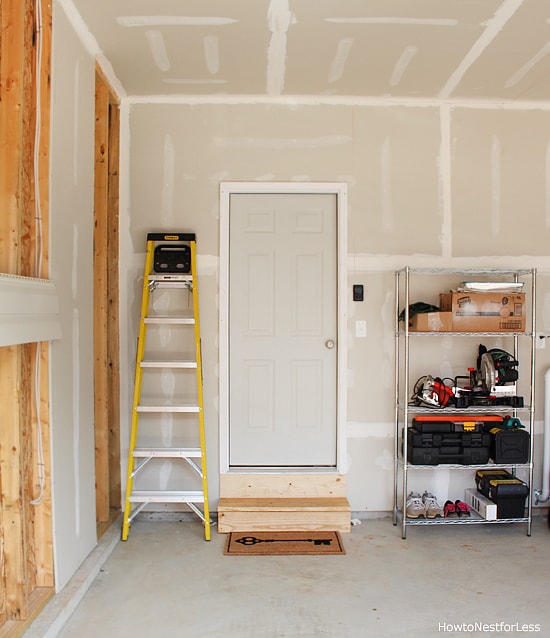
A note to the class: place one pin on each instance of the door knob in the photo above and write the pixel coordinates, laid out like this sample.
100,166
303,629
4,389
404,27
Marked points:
329,343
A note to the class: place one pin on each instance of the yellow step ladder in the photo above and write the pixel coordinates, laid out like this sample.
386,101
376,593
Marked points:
170,265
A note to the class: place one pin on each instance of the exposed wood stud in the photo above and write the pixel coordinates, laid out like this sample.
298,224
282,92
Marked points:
43,510
101,385
113,328
106,312
25,529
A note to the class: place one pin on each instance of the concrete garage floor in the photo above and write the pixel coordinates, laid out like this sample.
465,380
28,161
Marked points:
167,581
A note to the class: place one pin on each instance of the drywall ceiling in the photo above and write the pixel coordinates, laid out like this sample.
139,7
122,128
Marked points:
435,49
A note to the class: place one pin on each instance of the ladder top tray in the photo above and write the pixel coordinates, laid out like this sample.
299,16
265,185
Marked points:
171,237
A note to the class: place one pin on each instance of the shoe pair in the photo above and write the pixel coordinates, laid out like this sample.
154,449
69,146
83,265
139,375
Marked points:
456,509
425,505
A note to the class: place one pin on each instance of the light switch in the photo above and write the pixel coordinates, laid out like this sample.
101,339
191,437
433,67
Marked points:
361,328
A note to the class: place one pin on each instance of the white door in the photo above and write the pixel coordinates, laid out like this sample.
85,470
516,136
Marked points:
283,330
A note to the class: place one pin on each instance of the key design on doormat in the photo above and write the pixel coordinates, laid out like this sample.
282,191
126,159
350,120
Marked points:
252,540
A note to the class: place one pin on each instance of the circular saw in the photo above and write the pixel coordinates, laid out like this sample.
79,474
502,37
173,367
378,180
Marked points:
488,373
497,372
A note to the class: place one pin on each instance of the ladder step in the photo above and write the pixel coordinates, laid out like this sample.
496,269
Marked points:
168,277
165,453
158,496
167,408
149,363
175,283
170,320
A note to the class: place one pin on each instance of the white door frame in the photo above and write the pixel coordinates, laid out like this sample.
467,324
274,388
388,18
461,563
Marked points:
341,192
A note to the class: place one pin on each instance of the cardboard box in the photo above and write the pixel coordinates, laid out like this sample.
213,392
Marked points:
481,504
485,311
431,322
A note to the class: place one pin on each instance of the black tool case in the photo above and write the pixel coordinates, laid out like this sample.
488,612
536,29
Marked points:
504,489
448,439
510,446
457,448
442,423
455,455
484,476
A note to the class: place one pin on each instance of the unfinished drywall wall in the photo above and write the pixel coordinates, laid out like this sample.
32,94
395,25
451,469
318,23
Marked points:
501,183
414,174
72,196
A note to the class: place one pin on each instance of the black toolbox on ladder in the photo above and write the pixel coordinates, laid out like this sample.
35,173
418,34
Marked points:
172,258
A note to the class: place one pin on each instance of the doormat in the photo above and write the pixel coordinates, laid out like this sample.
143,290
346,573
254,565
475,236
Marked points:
283,543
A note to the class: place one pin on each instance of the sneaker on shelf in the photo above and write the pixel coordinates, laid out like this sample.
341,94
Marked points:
433,508
415,506
462,509
449,510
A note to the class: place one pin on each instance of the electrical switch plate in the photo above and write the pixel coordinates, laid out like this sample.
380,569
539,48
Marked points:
360,328
358,294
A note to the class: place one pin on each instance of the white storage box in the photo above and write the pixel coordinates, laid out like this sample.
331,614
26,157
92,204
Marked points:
481,504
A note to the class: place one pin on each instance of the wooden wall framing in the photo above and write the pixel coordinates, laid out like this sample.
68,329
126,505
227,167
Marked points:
26,542
26,579
106,312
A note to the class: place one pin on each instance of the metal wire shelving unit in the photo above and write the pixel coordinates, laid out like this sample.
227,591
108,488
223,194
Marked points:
404,410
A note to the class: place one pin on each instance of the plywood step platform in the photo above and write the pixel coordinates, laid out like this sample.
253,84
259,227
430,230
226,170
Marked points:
284,514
